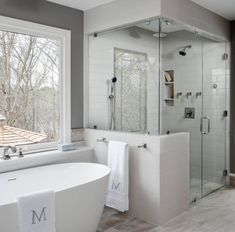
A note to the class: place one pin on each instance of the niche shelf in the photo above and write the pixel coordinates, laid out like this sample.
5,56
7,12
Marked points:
169,87
169,83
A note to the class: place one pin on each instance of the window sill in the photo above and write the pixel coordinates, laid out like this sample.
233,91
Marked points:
46,158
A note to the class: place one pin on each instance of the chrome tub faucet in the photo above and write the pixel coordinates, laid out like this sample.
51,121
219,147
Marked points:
6,155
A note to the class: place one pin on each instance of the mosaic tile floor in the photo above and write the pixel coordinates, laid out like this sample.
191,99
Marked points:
216,212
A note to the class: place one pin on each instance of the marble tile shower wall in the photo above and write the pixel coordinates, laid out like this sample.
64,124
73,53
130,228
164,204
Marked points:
77,135
101,70
188,72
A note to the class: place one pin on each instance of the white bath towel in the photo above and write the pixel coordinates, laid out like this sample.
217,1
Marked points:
118,161
36,212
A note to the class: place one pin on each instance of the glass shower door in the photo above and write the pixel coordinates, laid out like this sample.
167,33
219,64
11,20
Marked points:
193,83
213,124
182,85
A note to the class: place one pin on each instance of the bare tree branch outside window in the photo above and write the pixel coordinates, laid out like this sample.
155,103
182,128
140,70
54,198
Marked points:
29,83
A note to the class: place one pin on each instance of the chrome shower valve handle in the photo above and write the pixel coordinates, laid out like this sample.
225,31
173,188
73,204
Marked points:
188,94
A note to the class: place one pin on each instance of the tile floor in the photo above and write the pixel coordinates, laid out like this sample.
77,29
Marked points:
216,212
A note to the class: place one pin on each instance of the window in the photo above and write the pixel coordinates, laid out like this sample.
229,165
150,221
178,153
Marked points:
34,84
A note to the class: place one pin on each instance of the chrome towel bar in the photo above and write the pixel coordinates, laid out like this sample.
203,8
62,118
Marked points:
104,140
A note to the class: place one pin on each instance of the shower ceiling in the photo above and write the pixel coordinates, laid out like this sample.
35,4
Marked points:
81,4
167,26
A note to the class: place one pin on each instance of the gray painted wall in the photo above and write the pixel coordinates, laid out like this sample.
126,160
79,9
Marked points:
41,11
232,102
190,13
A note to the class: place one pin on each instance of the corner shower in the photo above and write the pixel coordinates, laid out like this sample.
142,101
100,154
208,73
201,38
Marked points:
170,78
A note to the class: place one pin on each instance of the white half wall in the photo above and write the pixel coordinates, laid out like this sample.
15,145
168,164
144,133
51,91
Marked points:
159,175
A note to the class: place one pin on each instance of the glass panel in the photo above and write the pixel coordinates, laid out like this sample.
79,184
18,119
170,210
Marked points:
215,77
181,52
164,68
123,79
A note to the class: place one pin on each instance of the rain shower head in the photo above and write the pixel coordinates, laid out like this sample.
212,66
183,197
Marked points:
160,35
182,52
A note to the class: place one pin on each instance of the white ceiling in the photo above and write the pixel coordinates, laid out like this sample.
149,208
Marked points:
81,4
225,8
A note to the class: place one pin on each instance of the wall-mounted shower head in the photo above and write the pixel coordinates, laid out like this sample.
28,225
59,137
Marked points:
182,52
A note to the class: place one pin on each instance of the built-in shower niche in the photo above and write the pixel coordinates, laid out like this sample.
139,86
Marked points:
169,87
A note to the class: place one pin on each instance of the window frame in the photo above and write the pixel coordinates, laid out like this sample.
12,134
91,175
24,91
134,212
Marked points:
64,37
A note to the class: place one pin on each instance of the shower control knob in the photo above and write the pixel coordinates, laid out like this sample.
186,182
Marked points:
189,94
215,86
198,94
189,113
111,97
179,94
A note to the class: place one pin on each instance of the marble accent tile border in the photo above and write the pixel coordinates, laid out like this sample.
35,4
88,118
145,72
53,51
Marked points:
77,135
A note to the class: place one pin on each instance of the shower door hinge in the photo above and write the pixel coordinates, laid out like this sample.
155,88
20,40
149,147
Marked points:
225,114
225,172
225,56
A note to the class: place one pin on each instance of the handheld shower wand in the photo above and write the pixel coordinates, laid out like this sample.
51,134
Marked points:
112,103
114,80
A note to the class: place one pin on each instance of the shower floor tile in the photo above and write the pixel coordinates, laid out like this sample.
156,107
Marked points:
196,191
216,212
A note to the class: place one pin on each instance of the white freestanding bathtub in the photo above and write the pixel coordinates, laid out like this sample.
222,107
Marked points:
80,190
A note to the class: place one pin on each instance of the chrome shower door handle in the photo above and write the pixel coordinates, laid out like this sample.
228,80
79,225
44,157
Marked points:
208,125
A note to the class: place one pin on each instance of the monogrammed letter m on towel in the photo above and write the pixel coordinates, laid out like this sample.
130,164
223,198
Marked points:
36,212
118,161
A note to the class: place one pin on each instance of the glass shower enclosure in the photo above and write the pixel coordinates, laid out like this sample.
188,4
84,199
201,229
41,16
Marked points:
161,77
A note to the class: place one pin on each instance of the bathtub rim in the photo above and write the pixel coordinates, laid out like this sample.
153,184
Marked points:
107,174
